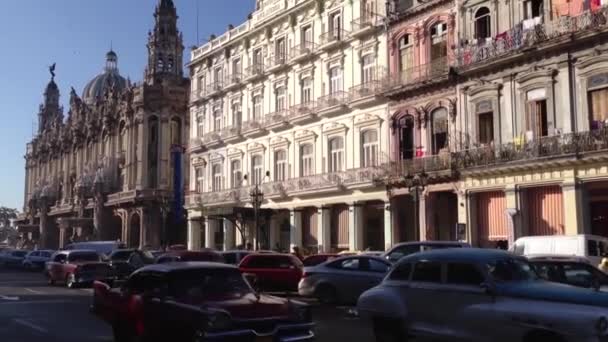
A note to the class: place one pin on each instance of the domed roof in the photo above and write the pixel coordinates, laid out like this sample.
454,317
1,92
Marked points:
97,86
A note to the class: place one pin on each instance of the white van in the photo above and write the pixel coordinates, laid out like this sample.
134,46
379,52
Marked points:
592,247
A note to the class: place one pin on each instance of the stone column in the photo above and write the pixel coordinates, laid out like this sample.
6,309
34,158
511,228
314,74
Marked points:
355,227
238,238
295,221
140,178
388,226
324,229
422,219
229,235
274,234
513,213
463,209
210,228
194,234
572,191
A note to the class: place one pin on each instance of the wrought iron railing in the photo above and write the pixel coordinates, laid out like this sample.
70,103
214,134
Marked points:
255,70
276,117
333,36
564,145
336,98
366,20
252,125
302,109
211,137
234,78
421,73
529,33
366,89
277,60
428,164
230,131
215,87
303,49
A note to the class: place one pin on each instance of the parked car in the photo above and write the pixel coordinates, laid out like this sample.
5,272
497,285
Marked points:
119,261
406,248
77,268
196,301
35,260
317,259
13,258
104,248
344,279
234,257
202,255
574,271
273,271
591,247
465,294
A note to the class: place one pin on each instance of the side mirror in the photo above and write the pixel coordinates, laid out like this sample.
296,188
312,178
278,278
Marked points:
488,288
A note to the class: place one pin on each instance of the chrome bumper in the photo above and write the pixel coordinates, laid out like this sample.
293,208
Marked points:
282,333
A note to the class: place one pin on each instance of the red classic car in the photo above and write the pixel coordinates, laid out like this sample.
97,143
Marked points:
197,301
273,272
77,267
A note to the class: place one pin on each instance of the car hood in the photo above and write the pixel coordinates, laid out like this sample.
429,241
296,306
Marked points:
555,292
250,306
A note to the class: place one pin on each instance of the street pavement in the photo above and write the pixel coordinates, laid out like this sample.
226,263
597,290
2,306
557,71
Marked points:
30,310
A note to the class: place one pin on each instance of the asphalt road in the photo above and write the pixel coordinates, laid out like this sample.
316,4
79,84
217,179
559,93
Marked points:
30,310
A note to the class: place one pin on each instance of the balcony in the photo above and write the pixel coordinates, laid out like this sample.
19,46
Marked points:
277,120
198,95
302,52
532,34
218,198
254,72
233,81
437,167
365,25
195,143
333,103
545,151
436,71
211,139
231,134
333,39
215,88
253,128
315,184
277,63
303,112
367,93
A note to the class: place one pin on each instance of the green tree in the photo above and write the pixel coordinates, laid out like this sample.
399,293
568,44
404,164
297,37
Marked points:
6,231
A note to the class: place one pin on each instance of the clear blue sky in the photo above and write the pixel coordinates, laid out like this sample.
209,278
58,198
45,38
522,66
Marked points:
76,34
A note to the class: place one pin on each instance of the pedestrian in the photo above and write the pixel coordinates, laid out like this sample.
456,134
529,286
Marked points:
249,246
603,266
296,252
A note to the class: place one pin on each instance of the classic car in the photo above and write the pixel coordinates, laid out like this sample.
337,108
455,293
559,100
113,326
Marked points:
202,255
317,259
35,260
344,279
119,261
403,249
273,271
12,258
197,301
77,268
472,294
571,270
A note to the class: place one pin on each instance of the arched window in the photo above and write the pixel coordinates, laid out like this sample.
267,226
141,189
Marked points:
257,168
405,127
336,155
153,147
439,129
369,148
216,170
406,55
176,132
236,173
482,23
439,41
306,160
280,165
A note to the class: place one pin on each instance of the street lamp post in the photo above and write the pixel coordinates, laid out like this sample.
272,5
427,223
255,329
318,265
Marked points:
256,200
164,211
416,185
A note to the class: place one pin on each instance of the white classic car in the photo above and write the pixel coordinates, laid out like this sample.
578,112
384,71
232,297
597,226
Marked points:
472,294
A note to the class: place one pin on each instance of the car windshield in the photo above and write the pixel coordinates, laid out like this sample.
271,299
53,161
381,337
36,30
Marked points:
83,256
121,255
20,254
209,284
511,270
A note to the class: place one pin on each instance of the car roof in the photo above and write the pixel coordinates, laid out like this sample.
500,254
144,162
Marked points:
181,266
190,253
79,251
460,254
124,250
431,243
237,251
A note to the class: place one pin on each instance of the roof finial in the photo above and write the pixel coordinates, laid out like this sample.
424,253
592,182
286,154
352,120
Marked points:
52,71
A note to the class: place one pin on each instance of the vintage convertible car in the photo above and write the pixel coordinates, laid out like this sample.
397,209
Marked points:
198,301
474,294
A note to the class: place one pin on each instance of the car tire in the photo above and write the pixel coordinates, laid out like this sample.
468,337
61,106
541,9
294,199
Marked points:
70,281
389,330
326,294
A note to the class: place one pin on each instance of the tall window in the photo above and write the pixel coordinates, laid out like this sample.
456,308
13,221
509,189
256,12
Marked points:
335,25
486,127
536,118
237,68
369,148
335,80
236,173
306,36
218,76
439,129
368,68
598,108
307,90
237,114
280,99
336,155
280,165
176,131
257,107
533,9
257,57
257,168
439,41
198,179
153,147
217,118
280,50
406,56
201,83
200,128
306,160
406,137
482,23
217,177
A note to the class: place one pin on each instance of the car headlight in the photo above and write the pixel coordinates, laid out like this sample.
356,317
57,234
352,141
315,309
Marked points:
601,325
218,321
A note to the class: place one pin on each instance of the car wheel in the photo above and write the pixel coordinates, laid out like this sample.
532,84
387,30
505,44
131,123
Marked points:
389,330
70,281
326,294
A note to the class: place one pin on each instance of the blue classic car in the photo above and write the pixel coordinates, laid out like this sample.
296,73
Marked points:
475,294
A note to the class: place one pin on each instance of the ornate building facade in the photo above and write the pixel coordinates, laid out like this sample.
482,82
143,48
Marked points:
114,168
289,103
